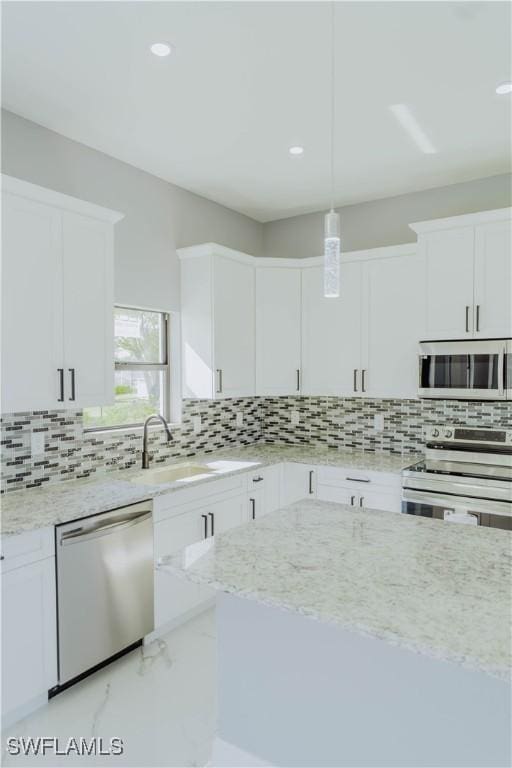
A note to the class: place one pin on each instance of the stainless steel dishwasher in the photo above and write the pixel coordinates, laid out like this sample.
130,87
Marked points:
104,587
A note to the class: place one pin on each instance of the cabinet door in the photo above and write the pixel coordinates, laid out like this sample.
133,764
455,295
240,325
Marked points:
29,640
175,597
88,310
227,514
392,325
299,482
331,334
338,494
234,327
31,305
449,283
264,491
381,499
278,320
493,280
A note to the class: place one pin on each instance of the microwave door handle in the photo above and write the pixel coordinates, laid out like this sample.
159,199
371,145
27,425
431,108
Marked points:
501,372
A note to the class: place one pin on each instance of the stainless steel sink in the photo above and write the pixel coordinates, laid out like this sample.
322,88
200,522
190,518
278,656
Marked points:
171,473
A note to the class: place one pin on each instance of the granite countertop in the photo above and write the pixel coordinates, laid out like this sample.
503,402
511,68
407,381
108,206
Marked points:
437,589
26,510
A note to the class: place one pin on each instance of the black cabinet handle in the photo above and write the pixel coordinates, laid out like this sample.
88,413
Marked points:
478,317
253,508
73,390
298,379
258,479
467,318
205,523
60,371
355,379
363,375
212,523
352,499
361,500
311,481
357,479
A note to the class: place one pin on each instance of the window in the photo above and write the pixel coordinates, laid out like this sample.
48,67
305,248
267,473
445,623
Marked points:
142,380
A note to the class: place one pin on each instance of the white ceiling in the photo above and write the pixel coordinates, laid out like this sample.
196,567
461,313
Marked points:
247,80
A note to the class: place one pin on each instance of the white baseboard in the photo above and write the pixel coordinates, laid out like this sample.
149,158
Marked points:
11,717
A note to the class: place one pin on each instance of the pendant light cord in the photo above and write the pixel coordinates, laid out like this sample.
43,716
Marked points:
333,62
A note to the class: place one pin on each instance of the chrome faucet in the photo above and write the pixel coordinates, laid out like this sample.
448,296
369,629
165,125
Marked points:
145,454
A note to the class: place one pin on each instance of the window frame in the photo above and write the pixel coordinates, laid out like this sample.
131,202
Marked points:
165,367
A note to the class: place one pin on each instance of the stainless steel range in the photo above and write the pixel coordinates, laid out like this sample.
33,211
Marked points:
466,477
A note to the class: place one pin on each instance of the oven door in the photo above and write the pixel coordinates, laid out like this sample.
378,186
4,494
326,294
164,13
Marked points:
466,370
457,509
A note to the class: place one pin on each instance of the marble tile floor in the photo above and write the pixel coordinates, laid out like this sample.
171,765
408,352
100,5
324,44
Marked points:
160,700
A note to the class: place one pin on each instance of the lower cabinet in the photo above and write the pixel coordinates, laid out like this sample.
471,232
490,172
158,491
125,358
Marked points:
299,482
374,498
29,632
373,490
188,525
264,491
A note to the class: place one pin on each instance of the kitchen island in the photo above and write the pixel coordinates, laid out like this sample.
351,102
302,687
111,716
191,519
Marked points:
350,637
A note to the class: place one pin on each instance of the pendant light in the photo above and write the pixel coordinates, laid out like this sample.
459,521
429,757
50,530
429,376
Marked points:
332,219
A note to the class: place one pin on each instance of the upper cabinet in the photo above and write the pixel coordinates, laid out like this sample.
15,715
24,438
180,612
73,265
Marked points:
331,333
364,343
217,322
57,300
278,330
468,275
392,322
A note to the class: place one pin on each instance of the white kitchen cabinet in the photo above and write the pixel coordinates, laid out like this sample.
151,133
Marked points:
493,280
331,333
263,491
299,482
278,330
189,524
57,343
29,624
217,322
467,277
88,291
392,325
378,498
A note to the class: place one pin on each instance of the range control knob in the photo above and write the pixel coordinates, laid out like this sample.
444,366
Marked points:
448,433
435,433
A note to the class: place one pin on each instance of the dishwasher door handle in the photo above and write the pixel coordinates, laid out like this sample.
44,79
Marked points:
83,534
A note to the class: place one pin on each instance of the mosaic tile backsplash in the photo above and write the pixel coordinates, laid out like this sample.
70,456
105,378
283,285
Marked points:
336,422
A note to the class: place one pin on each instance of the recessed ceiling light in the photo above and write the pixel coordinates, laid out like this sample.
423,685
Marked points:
296,150
504,88
161,49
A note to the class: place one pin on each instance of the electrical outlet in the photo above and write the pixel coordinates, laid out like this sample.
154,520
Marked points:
196,424
239,419
37,443
378,422
295,418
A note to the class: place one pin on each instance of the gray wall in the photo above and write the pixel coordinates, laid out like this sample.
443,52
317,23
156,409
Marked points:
385,222
159,217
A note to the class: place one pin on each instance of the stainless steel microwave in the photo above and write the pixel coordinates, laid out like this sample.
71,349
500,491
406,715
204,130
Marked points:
466,370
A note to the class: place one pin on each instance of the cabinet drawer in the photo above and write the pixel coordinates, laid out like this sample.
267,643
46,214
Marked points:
170,504
356,478
27,547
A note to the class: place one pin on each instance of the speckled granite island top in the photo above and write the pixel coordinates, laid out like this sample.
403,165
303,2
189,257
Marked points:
434,588
72,499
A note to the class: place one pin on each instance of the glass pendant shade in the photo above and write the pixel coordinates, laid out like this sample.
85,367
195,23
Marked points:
332,255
